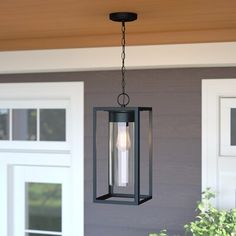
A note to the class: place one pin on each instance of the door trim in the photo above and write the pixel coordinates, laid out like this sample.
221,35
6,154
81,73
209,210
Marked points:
212,91
74,159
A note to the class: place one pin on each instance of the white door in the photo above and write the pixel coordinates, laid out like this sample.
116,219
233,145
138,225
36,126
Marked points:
41,159
44,194
219,140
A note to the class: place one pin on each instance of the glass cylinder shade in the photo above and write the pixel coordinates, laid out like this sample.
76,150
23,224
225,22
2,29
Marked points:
122,155
121,149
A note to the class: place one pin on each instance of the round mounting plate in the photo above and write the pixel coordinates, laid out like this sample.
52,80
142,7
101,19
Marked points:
123,16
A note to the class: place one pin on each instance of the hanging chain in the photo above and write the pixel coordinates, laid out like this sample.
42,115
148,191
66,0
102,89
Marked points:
123,57
123,95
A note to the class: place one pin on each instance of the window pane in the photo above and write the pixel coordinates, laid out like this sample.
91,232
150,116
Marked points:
52,125
233,126
43,206
4,124
24,124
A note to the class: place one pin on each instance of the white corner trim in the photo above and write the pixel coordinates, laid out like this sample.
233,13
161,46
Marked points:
204,137
108,58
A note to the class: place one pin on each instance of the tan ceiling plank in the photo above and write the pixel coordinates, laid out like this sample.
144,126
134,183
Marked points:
223,35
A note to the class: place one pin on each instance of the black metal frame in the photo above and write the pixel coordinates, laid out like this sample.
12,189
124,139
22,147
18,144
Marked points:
138,198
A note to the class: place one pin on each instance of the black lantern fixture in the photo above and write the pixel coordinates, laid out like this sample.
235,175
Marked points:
122,144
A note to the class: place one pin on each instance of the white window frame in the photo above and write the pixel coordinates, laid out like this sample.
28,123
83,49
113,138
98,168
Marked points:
37,145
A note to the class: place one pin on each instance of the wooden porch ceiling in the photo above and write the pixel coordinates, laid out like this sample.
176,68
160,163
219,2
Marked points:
51,24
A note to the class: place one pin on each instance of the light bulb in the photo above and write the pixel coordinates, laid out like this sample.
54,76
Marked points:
123,145
123,137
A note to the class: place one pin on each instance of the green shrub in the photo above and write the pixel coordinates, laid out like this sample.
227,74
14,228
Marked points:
210,221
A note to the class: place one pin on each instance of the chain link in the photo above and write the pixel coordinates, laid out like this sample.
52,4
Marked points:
123,95
123,57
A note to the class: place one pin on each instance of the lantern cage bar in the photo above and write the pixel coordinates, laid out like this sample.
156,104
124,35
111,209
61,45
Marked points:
111,196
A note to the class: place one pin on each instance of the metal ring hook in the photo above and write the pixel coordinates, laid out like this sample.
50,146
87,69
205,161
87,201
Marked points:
125,99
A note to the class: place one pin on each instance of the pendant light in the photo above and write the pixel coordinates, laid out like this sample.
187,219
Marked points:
122,144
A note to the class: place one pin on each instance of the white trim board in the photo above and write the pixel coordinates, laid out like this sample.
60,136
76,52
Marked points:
108,58
218,165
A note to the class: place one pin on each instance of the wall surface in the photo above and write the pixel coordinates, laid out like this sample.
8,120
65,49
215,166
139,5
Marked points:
175,95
